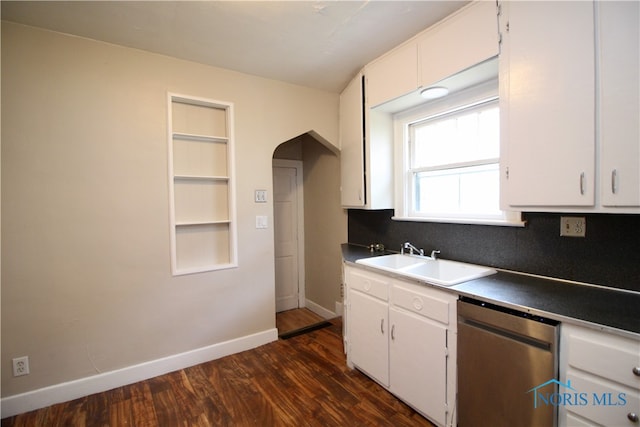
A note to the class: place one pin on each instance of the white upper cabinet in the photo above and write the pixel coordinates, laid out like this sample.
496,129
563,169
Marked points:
392,75
466,38
570,106
352,144
619,108
547,103
366,151
460,41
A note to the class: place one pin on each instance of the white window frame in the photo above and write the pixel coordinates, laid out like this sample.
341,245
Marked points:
404,182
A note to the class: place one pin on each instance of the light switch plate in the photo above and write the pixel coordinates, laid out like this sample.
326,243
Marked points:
261,196
573,226
261,221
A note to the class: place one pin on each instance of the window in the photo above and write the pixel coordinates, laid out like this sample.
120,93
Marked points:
450,160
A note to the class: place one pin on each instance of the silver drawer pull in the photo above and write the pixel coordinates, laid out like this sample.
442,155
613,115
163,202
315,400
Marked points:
393,335
614,181
382,326
582,183
633,417
636,371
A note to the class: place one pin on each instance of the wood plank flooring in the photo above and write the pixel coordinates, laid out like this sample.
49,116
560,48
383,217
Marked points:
302,381
290,320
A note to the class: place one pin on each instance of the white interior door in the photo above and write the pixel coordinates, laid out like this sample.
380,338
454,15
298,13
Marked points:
287,206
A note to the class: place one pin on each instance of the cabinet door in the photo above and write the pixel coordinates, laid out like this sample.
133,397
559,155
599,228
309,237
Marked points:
418,363
619,58
368,335
463,40
352,144
547,85
601,366
393,75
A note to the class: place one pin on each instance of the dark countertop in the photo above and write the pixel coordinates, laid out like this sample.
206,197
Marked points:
600,307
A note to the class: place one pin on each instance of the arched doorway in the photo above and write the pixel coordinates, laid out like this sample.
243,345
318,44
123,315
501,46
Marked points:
322,225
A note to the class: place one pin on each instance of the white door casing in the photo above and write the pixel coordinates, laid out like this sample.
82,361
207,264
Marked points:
288,234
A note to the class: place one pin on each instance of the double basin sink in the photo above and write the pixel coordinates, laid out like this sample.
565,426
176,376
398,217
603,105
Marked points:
437,271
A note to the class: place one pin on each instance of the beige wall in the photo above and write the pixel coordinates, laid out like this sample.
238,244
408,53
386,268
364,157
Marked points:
86,281
325,225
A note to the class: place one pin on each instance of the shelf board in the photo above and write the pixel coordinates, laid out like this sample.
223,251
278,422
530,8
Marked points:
201,177
202,138
212,267
196,223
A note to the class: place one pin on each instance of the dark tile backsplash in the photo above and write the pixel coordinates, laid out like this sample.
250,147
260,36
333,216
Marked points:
609,255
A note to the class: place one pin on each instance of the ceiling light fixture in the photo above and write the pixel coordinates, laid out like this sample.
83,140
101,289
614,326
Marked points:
434,92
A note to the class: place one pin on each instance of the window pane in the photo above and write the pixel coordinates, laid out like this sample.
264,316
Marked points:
462,137
480,190
437,193
469,190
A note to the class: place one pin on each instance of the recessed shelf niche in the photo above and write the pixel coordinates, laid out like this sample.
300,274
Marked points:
201,182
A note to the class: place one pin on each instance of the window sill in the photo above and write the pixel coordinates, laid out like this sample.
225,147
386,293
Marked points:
479,221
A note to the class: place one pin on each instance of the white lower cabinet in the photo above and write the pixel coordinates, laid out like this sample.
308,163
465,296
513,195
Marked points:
368,345
600,379
418,361
402,335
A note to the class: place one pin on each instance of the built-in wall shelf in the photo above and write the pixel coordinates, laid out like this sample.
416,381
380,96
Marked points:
201,181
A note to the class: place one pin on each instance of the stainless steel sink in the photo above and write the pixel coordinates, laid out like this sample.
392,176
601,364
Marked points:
438,271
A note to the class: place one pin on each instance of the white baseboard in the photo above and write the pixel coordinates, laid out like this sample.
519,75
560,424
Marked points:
320,310
36,399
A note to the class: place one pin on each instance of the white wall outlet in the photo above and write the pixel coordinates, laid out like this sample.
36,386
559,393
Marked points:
20,366
573,226
261,196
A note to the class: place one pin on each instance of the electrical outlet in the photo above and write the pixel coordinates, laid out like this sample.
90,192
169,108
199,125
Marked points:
20,366
573,226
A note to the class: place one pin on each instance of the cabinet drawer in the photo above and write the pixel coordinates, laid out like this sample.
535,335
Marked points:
605,355
368,283
601,401
419,302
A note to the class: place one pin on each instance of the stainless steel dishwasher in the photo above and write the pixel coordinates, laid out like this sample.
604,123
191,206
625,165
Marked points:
505,357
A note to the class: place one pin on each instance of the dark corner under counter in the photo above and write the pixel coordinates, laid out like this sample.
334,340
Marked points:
564,301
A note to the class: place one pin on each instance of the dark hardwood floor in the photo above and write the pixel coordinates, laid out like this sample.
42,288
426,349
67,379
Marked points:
302,381
290,320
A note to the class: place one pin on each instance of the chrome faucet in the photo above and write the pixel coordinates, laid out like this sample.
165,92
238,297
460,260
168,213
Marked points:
411,248
434,254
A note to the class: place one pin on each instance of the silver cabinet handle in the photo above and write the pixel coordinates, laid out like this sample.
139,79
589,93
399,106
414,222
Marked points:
582,183
633,417
636,371
393,336
614,181
382,326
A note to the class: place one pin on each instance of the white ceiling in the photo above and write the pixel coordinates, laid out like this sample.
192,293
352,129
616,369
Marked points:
319,44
